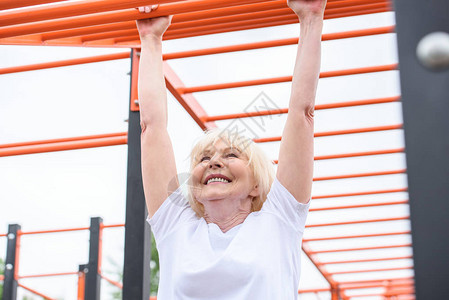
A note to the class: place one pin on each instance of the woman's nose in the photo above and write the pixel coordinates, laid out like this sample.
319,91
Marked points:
215,162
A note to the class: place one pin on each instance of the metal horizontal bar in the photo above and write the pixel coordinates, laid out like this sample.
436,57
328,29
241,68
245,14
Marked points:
355,236
111,226
52,231
35,292
70,9
335,177
408,292
378,284
87,137
64,145
250,24
179,18
363,260
133,40
359,249
358,130
359,205
116,16
359,193
328,74
113,282
383,280
8,4
92,25
276,43
279,14
358,222
358,154
48,275
337,132
371,270
310,291
317,107
257,19
64,63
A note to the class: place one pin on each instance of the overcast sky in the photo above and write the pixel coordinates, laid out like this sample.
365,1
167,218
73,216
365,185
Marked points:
64,189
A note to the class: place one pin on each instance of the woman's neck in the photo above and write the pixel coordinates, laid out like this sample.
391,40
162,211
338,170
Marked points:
226,216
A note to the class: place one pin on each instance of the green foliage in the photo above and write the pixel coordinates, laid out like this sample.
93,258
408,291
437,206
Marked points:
2,272
154,268
117,295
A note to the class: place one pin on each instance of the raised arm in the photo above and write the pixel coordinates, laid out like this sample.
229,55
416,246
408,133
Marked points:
295,167
158,160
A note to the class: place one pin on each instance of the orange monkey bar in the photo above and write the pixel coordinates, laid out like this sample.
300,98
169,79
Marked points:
364,260
360,248
276,43
64,144
355,236
70,9
189,12
64,63
47,275
360,205
317,107
35,292
8,4
358,222
213,87
360,193
394,172
371,270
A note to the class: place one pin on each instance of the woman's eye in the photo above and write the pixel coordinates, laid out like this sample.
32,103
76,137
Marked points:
232,154
205,158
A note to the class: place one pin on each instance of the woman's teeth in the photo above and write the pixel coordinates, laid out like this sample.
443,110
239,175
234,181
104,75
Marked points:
217,180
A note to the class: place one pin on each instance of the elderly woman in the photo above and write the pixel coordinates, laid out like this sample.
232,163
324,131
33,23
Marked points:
238,233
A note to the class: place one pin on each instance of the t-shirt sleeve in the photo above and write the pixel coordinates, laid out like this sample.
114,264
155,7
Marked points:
174,211
282,203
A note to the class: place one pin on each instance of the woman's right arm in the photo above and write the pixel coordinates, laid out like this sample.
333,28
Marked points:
158,160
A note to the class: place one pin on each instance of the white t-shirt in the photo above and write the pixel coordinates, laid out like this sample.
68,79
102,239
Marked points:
258,259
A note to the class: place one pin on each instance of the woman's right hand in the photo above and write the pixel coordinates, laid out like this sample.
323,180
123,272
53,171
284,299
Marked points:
152,27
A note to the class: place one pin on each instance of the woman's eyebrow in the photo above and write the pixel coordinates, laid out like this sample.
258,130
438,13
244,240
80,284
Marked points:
233,148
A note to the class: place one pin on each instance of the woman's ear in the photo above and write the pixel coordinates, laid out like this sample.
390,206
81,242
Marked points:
255,192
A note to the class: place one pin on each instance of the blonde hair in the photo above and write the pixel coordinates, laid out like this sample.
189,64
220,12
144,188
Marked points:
261,166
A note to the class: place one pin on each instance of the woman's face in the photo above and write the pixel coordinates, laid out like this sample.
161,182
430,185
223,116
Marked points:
222,172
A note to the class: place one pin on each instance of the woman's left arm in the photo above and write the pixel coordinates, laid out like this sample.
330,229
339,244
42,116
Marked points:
295,166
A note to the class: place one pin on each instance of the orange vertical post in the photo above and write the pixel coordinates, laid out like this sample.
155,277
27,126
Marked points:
81,282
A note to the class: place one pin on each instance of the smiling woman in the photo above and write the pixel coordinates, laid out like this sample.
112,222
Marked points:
239,234
221,148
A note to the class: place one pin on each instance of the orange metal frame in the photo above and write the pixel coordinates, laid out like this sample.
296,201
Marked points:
110,23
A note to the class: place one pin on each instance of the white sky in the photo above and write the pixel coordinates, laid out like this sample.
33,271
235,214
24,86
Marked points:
64,189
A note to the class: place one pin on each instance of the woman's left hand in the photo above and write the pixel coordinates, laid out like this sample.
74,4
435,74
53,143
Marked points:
307,8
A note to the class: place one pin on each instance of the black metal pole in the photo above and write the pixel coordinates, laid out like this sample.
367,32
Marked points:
425,102
136,269
93,278
10,283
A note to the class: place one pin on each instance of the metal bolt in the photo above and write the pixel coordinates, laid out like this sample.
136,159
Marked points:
136,101
86,270
433,50
9,266
11,236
